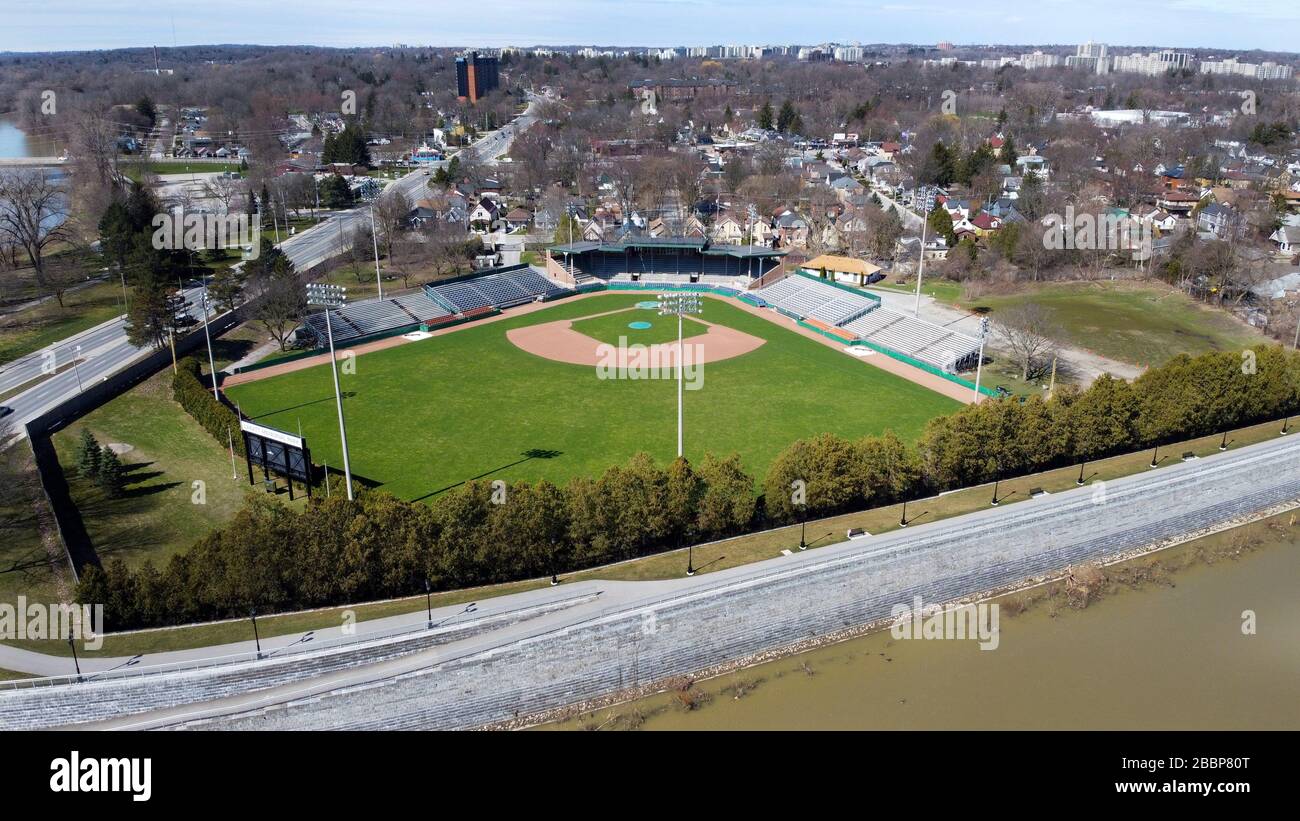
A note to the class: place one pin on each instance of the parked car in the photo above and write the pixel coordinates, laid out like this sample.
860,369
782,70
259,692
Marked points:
5,410
874,278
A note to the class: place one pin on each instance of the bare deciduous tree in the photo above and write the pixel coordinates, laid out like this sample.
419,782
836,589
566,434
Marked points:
1027,331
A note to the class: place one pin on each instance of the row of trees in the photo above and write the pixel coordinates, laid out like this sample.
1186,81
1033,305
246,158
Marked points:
336,551
377,546
196,398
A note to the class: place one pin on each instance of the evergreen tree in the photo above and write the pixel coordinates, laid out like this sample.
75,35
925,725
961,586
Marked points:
112,474
941,224
1009,153
765,116
785,120
88,455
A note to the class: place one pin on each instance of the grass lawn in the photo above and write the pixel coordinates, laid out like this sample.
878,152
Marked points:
27,568
612,327
34,328
1146,324
426,416
158,515
943,290
132,170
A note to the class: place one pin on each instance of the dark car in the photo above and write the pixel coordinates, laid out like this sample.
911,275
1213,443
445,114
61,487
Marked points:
5,410
874,278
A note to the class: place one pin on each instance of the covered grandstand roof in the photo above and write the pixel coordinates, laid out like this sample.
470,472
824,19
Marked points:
699,244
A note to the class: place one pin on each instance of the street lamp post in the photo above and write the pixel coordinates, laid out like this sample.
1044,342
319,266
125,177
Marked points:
680,305
428,603
75,663
77,373
257,640
334,296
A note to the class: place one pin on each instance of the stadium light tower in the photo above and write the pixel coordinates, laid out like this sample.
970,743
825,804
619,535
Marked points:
979,365
926,205
679,305
374,236
333,296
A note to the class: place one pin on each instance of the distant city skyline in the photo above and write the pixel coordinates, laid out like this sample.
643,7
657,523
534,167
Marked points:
1223,25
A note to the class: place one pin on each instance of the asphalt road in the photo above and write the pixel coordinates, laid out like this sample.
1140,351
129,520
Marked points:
103,350
99,352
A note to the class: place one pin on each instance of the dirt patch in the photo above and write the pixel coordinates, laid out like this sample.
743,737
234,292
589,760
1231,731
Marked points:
558,341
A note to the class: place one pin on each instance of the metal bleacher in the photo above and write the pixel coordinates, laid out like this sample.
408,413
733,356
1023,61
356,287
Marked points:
375,316
808,298
933,344
499,289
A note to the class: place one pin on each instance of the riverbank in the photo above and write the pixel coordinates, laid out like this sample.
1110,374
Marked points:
1179,645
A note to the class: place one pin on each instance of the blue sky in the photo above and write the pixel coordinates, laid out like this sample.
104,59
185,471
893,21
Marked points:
1229,25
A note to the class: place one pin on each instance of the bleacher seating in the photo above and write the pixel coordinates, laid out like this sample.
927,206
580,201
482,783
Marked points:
500,289
375,316
807,297
810,299
933,344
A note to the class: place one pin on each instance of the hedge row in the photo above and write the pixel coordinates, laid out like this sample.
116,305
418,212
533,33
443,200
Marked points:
336,551
197,400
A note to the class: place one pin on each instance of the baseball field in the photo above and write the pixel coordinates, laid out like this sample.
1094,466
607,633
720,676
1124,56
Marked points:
483,402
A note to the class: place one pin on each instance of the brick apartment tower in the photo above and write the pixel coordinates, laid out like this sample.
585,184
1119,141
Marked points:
475,76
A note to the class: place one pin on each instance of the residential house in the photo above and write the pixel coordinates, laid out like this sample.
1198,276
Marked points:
518,219
1220,220
1287,238
984,224
791,229
483,216
728,231
1177,201
846,187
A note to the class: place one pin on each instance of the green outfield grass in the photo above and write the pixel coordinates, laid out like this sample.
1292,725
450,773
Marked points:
427,416
611,327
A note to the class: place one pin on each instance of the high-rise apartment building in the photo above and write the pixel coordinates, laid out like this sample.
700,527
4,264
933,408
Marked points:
476,75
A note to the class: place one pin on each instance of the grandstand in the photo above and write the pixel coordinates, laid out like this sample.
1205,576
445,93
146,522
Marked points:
500,288
375,316
806,297
668,260
932,344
